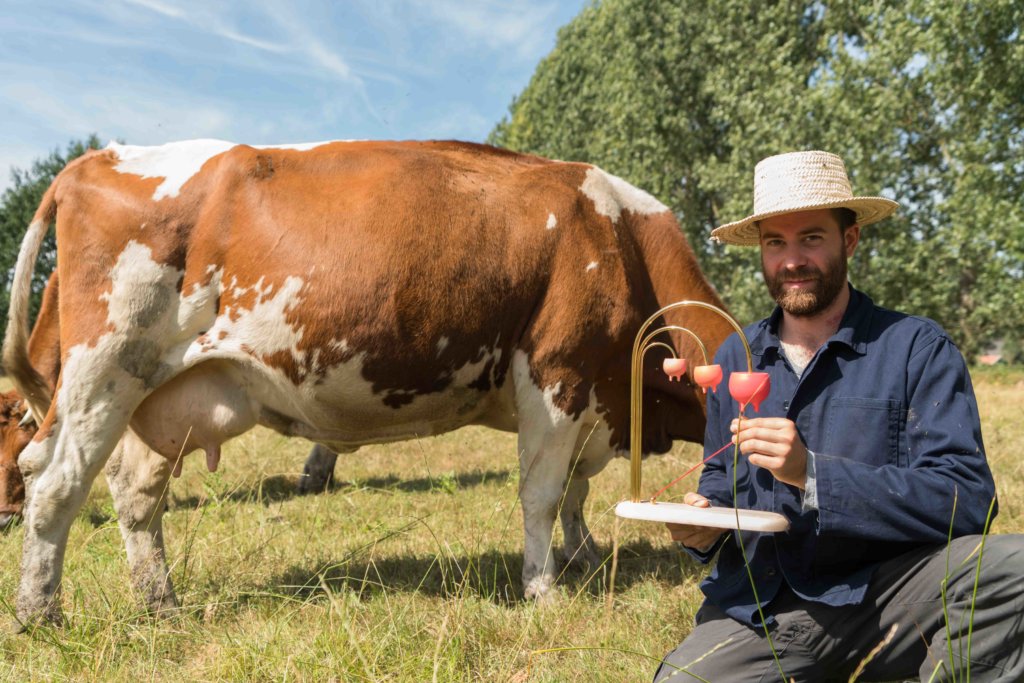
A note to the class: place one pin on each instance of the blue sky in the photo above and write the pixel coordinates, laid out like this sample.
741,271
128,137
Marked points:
263,71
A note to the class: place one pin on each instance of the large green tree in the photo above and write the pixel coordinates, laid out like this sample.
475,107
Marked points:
17,206
921,98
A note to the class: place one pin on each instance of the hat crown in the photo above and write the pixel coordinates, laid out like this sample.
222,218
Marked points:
799,179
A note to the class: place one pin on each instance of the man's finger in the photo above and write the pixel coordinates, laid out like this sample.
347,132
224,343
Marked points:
761,422
764,434
770,448
696,500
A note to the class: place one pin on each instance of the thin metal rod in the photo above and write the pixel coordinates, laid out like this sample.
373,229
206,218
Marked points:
667,328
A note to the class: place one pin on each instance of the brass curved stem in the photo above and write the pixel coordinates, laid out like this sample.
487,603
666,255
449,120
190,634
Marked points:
662,344
636,383
667,328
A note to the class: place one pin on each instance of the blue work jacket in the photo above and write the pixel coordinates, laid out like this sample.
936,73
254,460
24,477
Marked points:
888,409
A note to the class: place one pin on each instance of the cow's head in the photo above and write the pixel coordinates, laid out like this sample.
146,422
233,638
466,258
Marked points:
14,436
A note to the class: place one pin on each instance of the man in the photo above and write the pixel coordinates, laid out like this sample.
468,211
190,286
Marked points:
870,444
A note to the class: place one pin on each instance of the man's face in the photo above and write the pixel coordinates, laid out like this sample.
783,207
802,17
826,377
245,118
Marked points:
803,258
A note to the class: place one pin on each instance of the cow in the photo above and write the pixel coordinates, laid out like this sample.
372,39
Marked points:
346,293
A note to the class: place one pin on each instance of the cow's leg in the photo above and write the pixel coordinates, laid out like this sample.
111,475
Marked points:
318,471
579,550
592,454
58,471
547,437
86,420
138,480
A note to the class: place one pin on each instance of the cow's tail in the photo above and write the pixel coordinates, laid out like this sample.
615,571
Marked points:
26,378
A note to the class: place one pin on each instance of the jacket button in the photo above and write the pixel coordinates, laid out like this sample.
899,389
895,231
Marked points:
785,405
771,572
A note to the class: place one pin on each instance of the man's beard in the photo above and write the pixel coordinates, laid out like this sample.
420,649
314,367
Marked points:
811,300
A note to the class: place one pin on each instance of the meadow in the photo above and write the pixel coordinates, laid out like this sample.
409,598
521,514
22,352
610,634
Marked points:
408,569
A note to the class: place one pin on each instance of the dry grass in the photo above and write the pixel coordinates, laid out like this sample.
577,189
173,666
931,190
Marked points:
408,571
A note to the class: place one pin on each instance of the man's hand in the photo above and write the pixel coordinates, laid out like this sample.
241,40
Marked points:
700,538
774,444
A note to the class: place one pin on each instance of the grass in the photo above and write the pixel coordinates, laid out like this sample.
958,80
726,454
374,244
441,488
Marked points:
408,570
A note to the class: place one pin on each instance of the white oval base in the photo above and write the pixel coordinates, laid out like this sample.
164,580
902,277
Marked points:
717,517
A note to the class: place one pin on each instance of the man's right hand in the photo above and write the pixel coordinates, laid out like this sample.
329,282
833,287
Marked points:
699,538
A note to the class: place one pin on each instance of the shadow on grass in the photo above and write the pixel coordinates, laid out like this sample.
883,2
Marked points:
448,482
493,576
282,487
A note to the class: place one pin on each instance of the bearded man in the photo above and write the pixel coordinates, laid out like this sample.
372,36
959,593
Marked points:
870,444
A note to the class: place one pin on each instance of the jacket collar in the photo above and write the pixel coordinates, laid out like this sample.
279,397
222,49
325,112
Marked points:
852,333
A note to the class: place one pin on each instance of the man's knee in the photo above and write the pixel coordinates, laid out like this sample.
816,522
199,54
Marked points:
1002,558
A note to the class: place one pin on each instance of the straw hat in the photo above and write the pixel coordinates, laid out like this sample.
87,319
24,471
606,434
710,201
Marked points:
801,181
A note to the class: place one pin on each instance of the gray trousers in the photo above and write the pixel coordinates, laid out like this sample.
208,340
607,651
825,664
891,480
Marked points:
816,642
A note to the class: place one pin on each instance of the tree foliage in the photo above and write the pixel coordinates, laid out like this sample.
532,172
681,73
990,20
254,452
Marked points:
921,98
17,206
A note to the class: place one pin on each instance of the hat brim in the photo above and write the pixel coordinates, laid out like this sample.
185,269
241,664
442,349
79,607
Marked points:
745,232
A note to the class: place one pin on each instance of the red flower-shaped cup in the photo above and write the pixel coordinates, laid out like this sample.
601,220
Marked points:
708,377
749,388
675,368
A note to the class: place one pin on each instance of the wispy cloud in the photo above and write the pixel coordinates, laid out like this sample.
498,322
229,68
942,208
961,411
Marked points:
159,7
204,18
514,26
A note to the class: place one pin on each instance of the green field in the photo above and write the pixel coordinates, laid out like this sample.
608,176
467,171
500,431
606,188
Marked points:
408,570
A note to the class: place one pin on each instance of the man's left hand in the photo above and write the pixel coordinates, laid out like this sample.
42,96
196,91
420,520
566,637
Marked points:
774,444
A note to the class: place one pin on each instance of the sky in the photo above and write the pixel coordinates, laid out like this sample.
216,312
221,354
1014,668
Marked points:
263,71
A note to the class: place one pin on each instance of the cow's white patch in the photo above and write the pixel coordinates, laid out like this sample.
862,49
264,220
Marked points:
592,265
140,289
262,330
177,162
552,221
611,195
442,344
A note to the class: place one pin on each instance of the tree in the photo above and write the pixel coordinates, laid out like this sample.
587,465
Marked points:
17,206
922,100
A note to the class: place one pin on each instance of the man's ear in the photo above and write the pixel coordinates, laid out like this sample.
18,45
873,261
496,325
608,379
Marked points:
851,238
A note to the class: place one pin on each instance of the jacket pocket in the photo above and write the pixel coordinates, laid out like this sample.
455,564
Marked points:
864,429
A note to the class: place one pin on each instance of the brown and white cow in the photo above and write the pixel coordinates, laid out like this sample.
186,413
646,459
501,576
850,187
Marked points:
348,293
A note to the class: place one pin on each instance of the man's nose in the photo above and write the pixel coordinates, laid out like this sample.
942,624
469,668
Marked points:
794,259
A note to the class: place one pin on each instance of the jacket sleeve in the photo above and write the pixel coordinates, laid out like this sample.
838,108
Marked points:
946,477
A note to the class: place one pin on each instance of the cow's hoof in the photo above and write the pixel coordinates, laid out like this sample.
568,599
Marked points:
541,590
162,606
27,620
584,559
314,482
